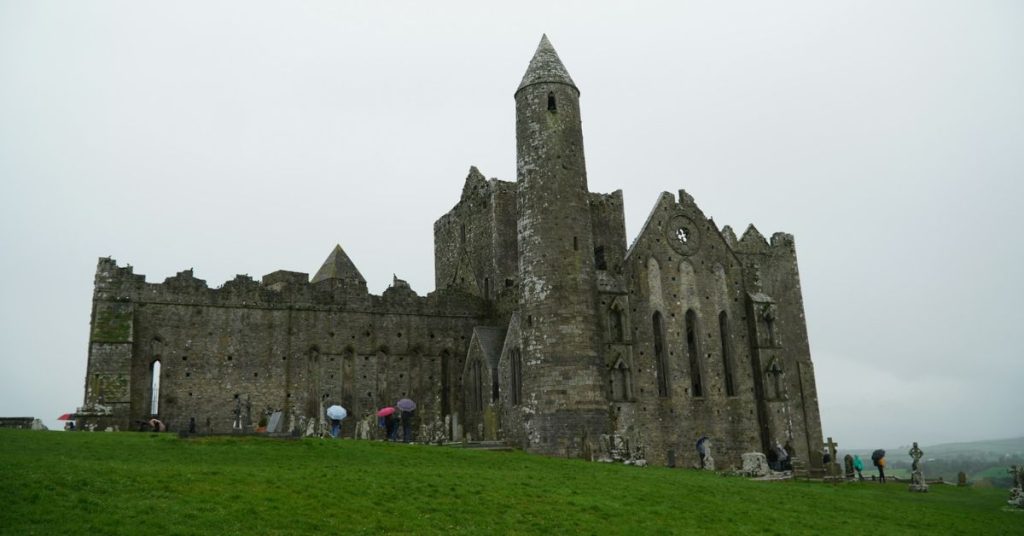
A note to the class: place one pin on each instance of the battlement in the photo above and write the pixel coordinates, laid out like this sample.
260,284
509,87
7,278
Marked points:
753,242
281,288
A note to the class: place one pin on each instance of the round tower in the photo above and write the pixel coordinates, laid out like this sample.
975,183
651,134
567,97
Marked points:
562,378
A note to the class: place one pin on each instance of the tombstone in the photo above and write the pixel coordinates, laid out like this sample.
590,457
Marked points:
755,464
618,448
274,425
961,479
363,427
709,460
848,466
917,482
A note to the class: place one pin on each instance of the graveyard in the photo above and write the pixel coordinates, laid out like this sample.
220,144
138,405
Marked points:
144,483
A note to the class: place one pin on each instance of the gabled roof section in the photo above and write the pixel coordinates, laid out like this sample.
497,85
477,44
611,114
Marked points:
546,67
752,241
338,266
664,200
491,341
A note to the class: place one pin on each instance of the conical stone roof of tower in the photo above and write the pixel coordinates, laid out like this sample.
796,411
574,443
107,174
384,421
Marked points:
546,67
338,266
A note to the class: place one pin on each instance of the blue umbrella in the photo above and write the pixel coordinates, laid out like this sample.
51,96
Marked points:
336,413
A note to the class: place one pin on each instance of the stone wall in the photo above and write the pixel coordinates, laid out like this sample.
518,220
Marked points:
232,355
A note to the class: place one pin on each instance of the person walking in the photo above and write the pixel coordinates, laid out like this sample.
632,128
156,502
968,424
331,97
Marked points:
407,417
880,463
858,466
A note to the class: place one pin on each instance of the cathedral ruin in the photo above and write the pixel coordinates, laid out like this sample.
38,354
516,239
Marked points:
545,330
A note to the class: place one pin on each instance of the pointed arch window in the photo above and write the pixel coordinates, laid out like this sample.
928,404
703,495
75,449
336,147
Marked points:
693,351
478,386
154,400
659,354
773,380
723,328
618,327
517,377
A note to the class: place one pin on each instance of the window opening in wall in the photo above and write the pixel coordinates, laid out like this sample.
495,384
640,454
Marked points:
768,315
478,386
599,262
659,354
445,385
774,380
487,287
462,233
154,401
494,388
696,387
575,243
517,376
618,330
552,105
723,327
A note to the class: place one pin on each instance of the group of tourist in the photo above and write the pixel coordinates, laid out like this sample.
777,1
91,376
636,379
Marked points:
392,421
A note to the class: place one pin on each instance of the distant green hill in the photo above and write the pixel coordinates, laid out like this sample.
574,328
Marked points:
134,483
984,461
988,449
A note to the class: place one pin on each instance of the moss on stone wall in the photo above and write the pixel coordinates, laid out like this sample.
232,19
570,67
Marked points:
112,323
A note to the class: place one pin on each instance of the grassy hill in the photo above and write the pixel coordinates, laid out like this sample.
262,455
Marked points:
131,483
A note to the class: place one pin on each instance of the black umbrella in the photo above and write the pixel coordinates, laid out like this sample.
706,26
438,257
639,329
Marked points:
877,455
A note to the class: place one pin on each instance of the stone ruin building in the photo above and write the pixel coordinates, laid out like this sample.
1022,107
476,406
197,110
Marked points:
545,330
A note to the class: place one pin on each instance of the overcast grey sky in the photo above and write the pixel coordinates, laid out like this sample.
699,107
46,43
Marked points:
246,137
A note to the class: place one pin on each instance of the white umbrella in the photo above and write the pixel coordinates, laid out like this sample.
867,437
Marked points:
336,413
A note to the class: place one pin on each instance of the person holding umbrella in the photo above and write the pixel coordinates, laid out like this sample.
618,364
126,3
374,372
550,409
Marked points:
878,457
858,466
386,420
408,409
336,414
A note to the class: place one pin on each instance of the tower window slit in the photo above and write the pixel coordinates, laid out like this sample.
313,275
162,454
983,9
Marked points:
552,105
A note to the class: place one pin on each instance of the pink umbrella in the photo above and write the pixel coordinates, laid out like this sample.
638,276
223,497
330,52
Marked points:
384,412
66,417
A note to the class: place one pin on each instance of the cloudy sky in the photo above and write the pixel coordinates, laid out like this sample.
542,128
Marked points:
246,137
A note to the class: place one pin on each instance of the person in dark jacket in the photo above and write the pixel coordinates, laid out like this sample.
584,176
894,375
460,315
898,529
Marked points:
880,464
407,417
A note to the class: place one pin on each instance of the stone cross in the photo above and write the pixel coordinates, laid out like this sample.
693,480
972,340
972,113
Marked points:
832,455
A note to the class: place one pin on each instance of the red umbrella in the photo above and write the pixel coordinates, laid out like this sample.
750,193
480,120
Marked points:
384,412
66,417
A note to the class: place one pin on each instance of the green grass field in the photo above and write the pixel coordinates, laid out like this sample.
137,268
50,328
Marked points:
132,483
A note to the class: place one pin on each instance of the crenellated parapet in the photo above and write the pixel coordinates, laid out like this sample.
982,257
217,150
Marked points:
278,290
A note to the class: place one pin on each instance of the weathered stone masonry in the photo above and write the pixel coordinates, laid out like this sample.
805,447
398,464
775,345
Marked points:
545,330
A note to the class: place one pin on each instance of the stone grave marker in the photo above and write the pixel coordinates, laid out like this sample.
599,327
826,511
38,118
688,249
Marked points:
274,425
